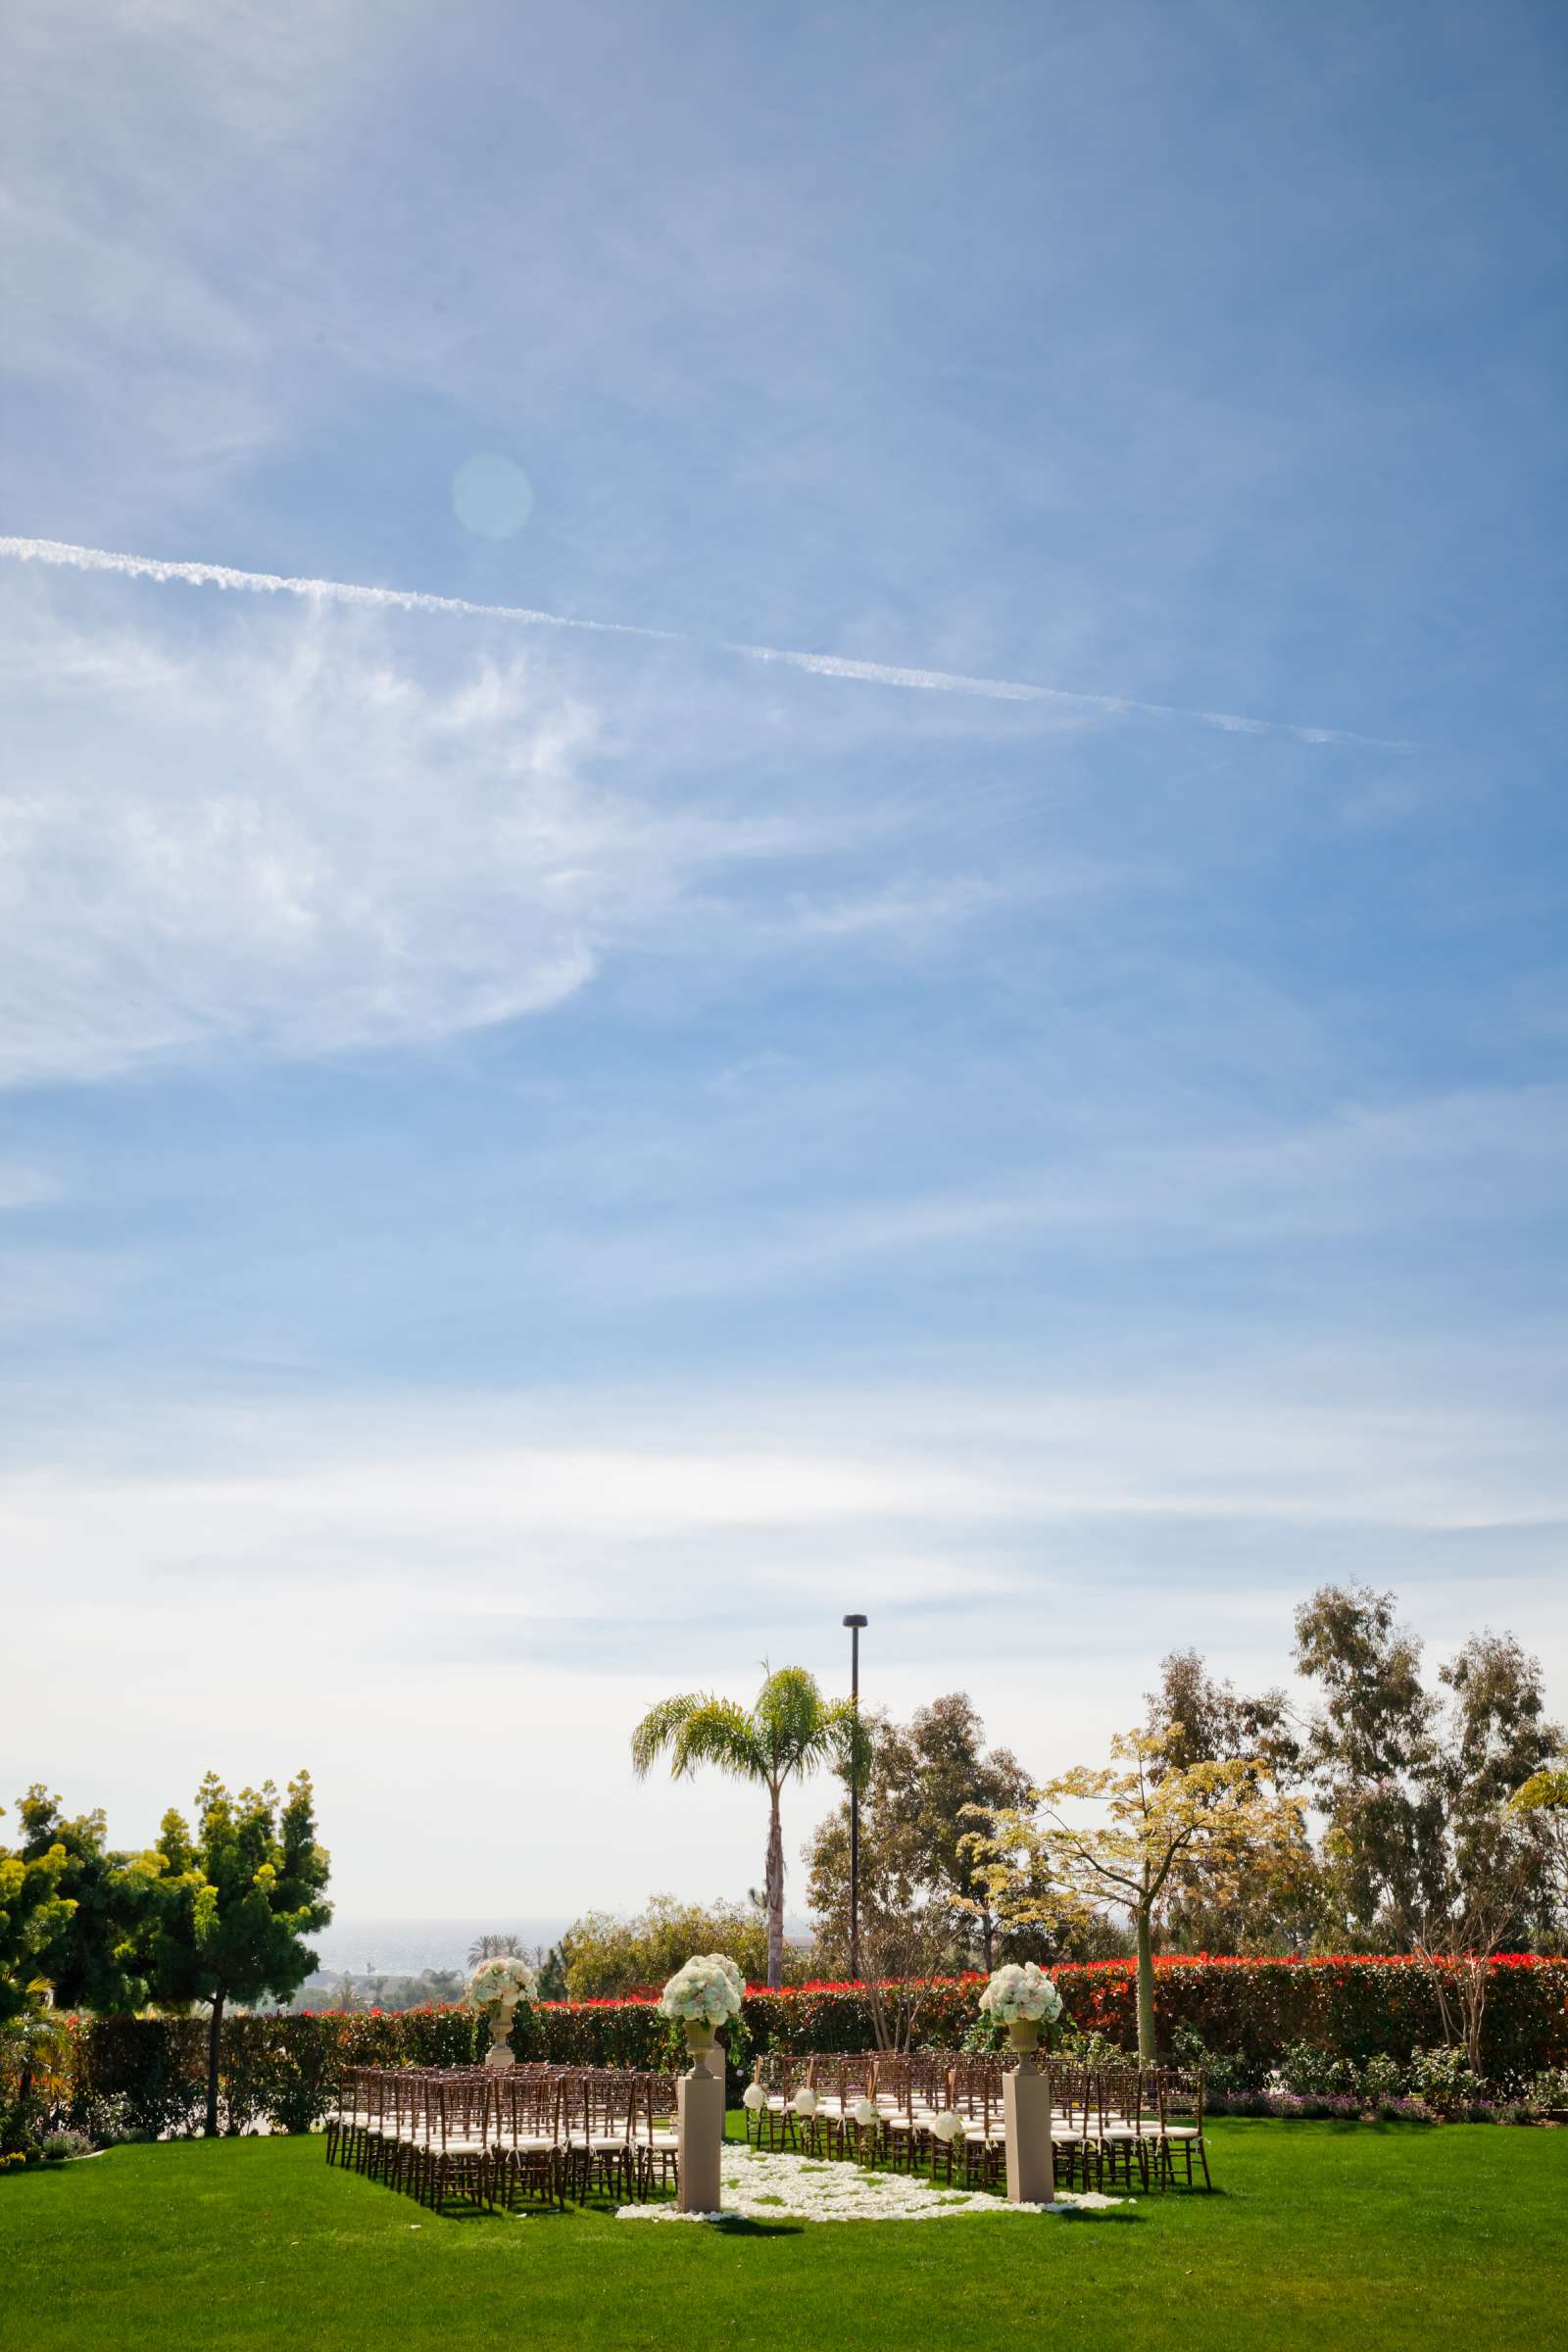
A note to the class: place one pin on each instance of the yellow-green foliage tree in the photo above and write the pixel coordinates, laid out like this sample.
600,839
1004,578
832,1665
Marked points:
96,1955
234,1902
33,1913
1111,1838
1544,1801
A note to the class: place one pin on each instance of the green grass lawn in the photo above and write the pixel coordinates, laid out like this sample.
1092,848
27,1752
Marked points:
1319,2233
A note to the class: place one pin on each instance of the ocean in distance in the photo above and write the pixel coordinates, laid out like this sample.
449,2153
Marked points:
359,1944
366,1946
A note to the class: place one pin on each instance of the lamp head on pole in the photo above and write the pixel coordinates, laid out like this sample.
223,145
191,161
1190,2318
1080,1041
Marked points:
857,1622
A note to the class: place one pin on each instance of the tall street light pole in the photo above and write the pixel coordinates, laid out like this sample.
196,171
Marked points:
855,1624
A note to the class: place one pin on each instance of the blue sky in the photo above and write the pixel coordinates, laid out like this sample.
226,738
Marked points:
539,1164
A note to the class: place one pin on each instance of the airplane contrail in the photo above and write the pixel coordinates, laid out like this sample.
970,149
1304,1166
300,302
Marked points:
64,555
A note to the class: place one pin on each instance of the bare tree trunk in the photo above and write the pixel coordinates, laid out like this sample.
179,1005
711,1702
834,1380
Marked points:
1474,1973
1148,2046
988,1941
215,2037
774,1883
879,2014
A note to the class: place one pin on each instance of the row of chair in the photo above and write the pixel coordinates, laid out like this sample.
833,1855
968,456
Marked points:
1107,2122
540,2132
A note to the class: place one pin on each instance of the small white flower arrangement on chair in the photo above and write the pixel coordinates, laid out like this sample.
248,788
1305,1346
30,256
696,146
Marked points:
1023,1999
703,1995
496,1989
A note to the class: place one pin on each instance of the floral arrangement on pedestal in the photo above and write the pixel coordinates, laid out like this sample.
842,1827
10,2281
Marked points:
496,1989
1023,1999
705,1994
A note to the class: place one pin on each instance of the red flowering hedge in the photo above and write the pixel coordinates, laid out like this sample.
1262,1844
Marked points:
150,2072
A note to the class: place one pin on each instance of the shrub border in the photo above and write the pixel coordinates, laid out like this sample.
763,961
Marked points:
147,2074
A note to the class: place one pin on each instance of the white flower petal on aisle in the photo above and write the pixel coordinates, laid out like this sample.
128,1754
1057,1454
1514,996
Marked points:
772,2187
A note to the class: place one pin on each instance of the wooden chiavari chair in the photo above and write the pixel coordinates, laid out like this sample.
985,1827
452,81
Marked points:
349,2118
656,2141
1179,2108
528,2156
456,2149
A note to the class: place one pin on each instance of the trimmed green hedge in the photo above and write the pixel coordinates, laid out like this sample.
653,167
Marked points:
1358,2008
1254,2010
148,2074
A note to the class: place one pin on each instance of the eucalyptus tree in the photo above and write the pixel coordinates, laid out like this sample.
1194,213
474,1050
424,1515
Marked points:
925,1787
791,1730
1422,1846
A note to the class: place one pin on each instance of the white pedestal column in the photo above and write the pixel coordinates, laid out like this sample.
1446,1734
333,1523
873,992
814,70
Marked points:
1031,2160
700,2125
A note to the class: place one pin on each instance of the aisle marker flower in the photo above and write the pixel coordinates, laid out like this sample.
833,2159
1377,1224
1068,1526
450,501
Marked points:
504,1979
706,1991
1022,1995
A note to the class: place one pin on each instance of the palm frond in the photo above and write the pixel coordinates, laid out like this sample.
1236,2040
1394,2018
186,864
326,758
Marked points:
695,1728
800,1729
659,1728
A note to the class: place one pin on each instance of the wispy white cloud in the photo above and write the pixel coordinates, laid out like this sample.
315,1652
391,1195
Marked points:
827,665
1112,1193
522,1564
290,840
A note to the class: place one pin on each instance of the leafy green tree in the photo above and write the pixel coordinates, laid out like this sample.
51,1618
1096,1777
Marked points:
1371,1756
1201,1720
925,1787
1423,1847
791,1730
603,1956
99,1955
234,1902
1494,1739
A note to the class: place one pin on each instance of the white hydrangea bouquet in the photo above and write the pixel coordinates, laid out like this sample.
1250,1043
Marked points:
705,1993
496,1989
1023,1999
501,1982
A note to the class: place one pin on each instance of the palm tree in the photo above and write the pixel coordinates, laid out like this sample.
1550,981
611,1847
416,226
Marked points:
492,1947
792,1729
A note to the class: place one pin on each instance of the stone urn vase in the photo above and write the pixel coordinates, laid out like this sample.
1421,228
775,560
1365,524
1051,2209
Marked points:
1024,2034
500,2055
701,2043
